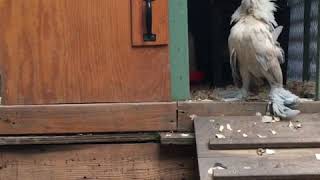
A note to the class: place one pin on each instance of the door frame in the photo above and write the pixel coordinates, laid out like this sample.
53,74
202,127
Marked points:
179,50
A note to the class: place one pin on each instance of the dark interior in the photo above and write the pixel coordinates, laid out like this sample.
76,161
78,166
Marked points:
209,24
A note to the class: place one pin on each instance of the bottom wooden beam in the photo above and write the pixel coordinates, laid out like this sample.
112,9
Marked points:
97,161
87,118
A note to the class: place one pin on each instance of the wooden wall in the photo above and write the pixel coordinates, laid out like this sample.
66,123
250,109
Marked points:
79,51
97,161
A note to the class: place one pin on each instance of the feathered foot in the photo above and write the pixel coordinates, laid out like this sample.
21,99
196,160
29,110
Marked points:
282,103
236,96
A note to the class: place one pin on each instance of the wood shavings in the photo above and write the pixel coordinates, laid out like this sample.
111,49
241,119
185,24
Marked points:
258,114
220,136
298,126
291,126
262,151
207,100
193,117
216,167
267,119
261,136
185,135
229,127
221,128
318,157
210,171
294,126
244,135
270,119
276,119
270,151
273,132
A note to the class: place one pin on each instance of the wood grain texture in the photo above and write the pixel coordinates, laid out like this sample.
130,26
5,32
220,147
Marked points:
185,109
246,164
99,161
160,22
76,51
83,118
286,164
305,137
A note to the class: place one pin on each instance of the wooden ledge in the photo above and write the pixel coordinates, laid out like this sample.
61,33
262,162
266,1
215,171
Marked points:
87,118
121,117
188,109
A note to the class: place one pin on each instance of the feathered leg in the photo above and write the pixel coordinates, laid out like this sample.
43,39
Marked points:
242,94
282,100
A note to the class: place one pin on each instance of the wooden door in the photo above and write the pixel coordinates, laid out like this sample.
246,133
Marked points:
82,51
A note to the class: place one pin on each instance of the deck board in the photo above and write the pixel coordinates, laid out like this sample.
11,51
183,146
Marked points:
239,156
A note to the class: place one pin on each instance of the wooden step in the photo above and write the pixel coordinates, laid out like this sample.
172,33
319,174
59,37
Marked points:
250,132
247,164
291,149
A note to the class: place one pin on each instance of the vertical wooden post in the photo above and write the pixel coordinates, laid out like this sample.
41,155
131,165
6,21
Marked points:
306,40
318,59
179,54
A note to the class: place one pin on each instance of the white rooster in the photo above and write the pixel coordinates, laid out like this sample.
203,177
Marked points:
255,54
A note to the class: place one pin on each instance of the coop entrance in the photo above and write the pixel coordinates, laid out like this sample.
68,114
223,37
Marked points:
209,28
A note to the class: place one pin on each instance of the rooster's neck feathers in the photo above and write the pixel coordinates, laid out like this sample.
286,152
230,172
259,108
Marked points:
259,9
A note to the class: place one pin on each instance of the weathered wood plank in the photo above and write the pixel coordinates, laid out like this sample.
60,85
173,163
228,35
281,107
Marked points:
177,138
240,163
87,118
98,161
248,165
259,134
186,109
81,138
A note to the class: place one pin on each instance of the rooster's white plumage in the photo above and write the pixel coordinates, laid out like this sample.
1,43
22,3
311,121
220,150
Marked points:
255,53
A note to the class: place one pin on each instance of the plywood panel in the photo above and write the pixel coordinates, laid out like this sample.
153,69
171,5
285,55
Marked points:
160,21
83,118
100,161
76,51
